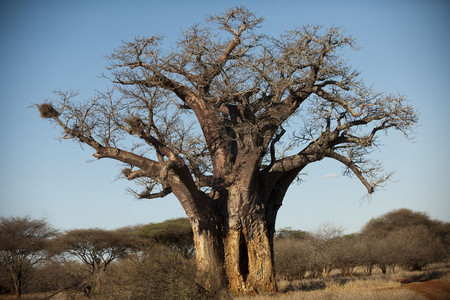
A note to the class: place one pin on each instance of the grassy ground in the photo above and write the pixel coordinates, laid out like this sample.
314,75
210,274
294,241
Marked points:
432,283
376,288
42,296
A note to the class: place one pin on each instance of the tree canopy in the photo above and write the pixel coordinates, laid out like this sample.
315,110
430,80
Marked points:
399,219
96,248
175,233
242,89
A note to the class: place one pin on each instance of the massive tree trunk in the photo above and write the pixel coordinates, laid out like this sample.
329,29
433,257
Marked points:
236,246
248,256
238,252
208,253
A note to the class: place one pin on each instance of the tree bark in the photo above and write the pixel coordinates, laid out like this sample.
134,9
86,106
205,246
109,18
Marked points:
237,249
17,278
248,256
208,253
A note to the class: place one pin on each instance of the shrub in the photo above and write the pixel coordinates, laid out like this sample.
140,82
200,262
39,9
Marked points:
55,277
157,272
326,249
291,258
417,246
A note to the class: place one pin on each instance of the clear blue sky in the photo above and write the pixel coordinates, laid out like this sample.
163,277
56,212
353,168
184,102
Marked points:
48,45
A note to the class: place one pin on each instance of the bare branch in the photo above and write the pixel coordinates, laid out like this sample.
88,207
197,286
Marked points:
275,140
347,162
147,194
131,175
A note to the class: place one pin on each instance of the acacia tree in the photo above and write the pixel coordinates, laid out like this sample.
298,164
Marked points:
398,219
418,246
175,233
327,249
96,248
406,238
210,118
23,244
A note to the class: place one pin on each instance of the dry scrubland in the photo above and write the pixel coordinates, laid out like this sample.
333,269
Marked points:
400,255
432,283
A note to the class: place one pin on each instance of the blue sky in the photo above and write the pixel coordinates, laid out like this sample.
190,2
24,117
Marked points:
48,45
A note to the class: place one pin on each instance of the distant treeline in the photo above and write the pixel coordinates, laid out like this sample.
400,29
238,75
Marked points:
399,239
157,260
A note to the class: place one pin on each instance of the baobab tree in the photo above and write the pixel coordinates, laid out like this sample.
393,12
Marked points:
210,121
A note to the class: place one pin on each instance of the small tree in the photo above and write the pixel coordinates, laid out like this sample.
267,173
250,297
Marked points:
442,230
416,247
288,233
96,248
405,237
326,249
349,254
366,257
292,257
397,219
389,252
23,244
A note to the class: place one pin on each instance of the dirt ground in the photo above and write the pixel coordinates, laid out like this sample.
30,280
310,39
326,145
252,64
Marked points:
432,289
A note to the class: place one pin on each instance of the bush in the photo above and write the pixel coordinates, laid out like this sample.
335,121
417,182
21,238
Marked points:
348,254
291,258
419,247
157,272
327,250
405,238
55,277
318,254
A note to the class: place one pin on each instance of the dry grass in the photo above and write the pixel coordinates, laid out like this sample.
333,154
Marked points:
375,287
362,287
361,294
43,296
370,289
